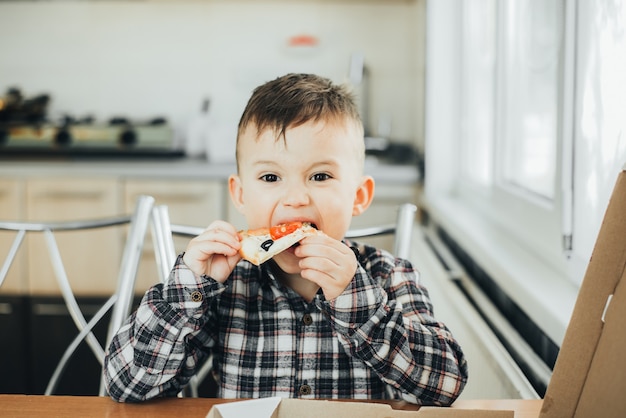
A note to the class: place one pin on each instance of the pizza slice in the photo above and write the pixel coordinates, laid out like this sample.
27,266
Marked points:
260,245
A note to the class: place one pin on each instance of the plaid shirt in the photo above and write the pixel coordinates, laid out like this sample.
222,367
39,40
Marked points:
378,339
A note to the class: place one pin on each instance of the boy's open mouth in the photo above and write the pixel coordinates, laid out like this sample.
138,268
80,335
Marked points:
293,247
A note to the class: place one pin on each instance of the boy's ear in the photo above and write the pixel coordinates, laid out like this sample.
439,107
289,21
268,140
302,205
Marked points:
236,192
364,196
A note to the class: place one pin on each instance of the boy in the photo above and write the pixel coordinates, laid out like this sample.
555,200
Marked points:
325,319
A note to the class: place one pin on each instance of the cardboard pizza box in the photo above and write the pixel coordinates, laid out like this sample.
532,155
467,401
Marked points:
589,377
305,408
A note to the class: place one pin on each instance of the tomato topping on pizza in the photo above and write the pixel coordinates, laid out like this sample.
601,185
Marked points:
281,230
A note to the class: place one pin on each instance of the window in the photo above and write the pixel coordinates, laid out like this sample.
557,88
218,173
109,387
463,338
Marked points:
530,51
478,49
525,138
511,62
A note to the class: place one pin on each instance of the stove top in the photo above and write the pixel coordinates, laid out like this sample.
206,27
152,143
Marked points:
88,140
27,131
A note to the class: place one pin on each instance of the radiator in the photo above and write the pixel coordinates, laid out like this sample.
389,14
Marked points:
501,363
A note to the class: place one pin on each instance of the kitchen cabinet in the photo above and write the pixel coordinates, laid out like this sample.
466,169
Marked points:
11,209
189,202
15,344
50,331
36,332
91,257
192,201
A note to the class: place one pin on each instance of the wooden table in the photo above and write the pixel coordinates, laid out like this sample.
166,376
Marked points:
34,406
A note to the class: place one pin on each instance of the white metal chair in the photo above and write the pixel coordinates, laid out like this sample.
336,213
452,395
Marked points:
163,232
118,303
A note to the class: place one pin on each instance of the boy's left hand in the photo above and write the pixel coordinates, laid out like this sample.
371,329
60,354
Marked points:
327,262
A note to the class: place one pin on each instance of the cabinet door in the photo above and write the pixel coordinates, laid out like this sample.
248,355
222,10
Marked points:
91,257
195,203
14,348
51,331
11,198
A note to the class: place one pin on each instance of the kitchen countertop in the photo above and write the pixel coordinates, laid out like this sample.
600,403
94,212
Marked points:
177,168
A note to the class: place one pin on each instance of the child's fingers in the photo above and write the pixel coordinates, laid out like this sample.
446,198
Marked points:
215,251
207,248
328,263
330,284
220,231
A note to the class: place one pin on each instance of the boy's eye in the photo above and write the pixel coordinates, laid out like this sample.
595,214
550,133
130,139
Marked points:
270,178
320,177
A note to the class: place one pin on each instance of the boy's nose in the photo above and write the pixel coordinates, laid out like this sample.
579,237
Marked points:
296,195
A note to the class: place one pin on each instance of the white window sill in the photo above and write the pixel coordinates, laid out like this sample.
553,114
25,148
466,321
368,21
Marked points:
544,294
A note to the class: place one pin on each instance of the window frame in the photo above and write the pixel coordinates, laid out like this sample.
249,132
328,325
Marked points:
533,279
537,222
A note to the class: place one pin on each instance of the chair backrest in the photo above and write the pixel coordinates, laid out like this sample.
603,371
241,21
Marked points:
119,303
163,232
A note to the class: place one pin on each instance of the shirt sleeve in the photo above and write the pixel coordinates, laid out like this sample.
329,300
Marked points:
385,319
158,349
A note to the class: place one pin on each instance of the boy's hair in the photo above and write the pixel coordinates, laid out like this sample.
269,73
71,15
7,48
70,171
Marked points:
294,99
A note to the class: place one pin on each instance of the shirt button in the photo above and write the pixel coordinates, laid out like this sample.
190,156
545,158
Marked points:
196,296
307,319
305,390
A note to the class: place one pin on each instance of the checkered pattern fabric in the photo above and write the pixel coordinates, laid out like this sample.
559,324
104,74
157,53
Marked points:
378,339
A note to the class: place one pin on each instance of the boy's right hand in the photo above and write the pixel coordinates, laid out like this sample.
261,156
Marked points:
215,252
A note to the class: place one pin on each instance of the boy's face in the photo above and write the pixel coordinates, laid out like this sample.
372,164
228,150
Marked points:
315,175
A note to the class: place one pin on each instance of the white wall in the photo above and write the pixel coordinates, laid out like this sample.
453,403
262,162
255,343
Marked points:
148,58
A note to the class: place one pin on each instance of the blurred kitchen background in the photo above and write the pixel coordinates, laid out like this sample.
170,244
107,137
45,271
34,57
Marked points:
193,64
502,121
102,101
